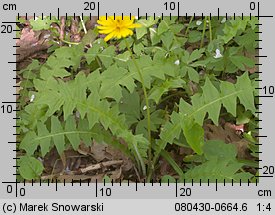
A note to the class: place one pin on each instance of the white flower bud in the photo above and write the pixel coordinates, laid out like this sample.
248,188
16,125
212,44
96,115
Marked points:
198,22
32,98
218,54
177,62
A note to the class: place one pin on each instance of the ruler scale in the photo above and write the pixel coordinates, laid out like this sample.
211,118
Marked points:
57,197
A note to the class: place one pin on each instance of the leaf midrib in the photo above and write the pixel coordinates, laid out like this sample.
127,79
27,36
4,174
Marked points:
220,98
214,101
61,133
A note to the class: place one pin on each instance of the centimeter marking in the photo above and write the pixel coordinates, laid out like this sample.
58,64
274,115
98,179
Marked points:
128,183
152,182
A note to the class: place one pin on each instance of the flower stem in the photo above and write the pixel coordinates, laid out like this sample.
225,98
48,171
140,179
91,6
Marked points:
187,29
150,167
83,25
70,43
203,32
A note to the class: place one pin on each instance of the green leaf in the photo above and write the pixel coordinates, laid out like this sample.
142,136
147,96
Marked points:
195,55
70,128
113,79
171,130
44,143
28,144
248,40
46,73
219,170
30,168
138,48
211,99
71,55
216,149
232,28
148,22
246,89
194,36
193,74
163,27
230,103
123,58
242,61
167,39
212,94
155,38
130,106
158,90
97,110
140,32
58,138
193,133
150,69
90,37
156,122
56,135
41,24
106,56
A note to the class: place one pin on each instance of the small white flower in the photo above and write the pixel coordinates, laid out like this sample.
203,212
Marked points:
136,17
223,20
177,62
218,54
32,98
198,22
144,108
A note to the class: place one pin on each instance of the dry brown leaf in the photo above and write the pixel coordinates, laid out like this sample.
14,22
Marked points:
226,134
83,149
98,151
116,154
242,149
116,174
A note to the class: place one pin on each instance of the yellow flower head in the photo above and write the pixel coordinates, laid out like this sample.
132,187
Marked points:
116,27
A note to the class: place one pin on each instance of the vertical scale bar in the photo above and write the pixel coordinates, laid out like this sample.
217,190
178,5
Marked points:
258,64
259,75
16,117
